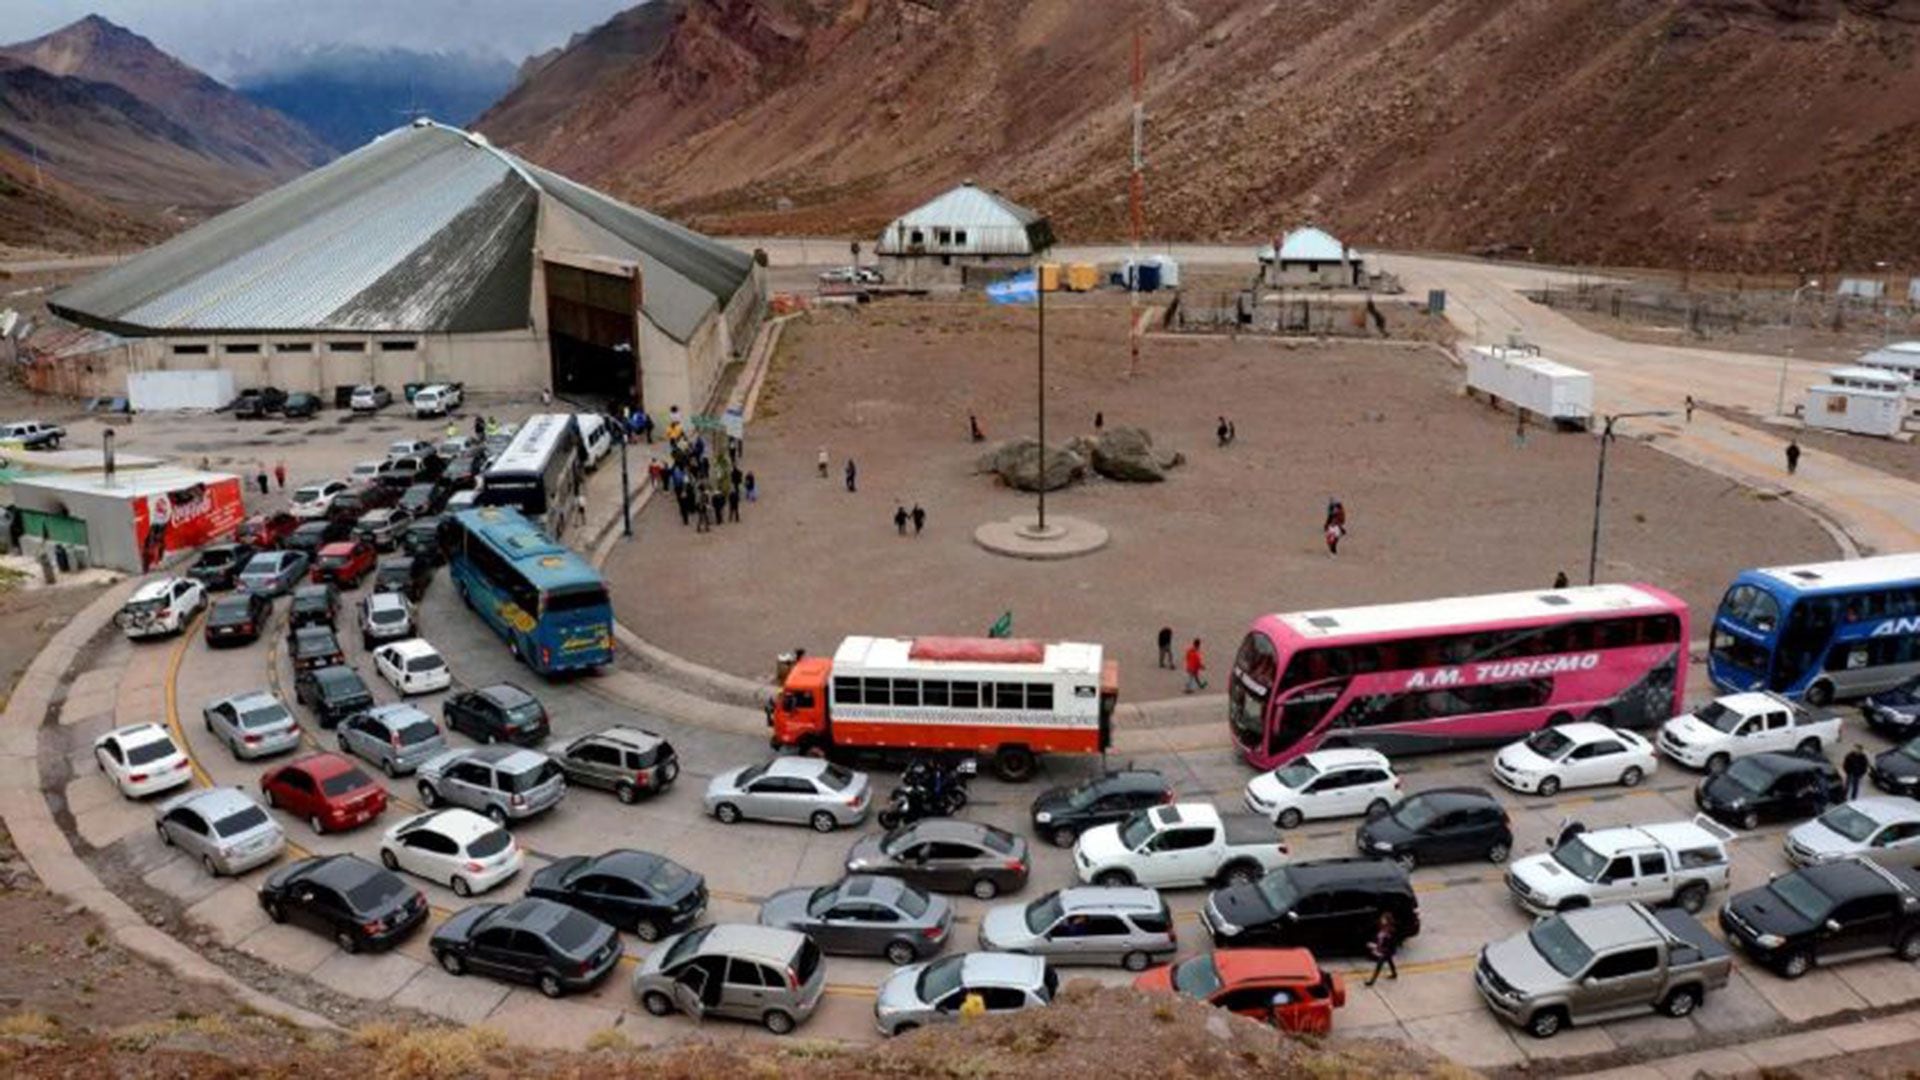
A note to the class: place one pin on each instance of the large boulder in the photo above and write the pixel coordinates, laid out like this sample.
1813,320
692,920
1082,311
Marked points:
1017,463
1127,454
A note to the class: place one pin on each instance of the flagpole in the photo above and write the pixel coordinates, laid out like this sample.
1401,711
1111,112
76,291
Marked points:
1040,285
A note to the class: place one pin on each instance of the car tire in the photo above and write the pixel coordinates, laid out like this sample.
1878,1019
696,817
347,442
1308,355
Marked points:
319,827
1796,964
1820,694
1546,1023
1549,787
901,952
498,815
1239,873
1750,820
551,987
451,963
902,1029
1378,807
1407,860
1290,818
984,888
823,822
428,796
1691,898
1632,777
626,793
1064,836
646,930
1560,719
213,869
1113,879
275,911
778,1022
391,768
1808,748
347,942
1681,1001
166,838
656,1003
272,803
1499,851
726,813
1717,764
388,860
1136,961
1909,948
460,887
1573,903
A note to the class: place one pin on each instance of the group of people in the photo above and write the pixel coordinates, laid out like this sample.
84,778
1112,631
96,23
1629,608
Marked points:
851,474
1194,663
708,487
260,475
902,516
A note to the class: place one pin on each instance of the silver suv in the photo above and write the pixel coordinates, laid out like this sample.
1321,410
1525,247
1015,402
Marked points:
934,992
399,738
759,974
385,616
505,783
1129,926
628,761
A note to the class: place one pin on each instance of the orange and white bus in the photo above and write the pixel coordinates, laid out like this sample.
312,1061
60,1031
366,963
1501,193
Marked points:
1006,698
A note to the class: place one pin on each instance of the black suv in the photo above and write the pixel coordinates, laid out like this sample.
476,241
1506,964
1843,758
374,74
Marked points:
406,574
423,498
313,605
259,401
532,941
1438,826
422,540
637,890
1897,771
357,904
301,404
313,647
333,693
1328,905
219,565
315,535
1770,787
464,471
1828,911
499,713
1061,814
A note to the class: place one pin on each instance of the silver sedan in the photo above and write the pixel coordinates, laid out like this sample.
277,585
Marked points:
1884,828
864,915
252,725
799,790
222,827
935,992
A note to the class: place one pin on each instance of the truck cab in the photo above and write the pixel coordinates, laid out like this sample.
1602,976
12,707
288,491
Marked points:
798,713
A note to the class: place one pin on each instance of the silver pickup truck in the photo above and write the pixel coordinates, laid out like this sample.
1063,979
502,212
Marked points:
1601,963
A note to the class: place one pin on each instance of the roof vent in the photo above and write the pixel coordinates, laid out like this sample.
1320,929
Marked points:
421,121
1555,599
1324,622
1807,575
477,139
968,182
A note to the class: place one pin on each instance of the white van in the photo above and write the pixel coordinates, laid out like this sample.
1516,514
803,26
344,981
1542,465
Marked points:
596,438
436,400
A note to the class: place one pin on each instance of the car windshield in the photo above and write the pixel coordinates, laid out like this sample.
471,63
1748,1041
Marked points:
1296,775
1715,715
1278,891
489,843
1136,830
1802,895
342,783
1749,775
337,681
1198,977
1910,750
417,731
217,556
338,558
1849,823
913,902
524,713
522,782
1580,860
942,977
388,616
685,947
1416,814
264,716
240,821
821,899
998,840
1083,796
749,774
149,752
576,599
1548,743
1556,943
836,777
377,891
425,663
668,877
232,608
1044,912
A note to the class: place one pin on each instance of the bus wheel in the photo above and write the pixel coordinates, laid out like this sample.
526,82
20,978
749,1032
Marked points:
1602,716
1820,694
1014,764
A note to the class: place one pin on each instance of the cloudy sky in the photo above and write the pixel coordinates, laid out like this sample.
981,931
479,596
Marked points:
223,36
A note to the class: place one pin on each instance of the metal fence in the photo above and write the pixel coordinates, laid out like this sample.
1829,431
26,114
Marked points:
1241,313
1725,313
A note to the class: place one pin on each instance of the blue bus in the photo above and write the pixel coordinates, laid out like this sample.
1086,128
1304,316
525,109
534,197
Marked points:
1821,631
549,604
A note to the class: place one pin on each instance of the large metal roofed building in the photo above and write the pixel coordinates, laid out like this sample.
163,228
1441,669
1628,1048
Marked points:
430,255
968,226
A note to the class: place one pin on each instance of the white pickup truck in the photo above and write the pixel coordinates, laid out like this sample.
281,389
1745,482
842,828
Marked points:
1734,726
1677,862
1179,844
438,399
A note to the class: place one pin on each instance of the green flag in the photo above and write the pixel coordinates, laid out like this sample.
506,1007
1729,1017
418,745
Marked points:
1002,626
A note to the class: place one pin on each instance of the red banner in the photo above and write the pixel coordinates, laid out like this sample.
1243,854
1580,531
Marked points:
186,517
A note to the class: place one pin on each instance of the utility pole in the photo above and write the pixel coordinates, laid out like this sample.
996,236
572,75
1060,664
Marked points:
1137,211
1040,287
1600,484
1780,396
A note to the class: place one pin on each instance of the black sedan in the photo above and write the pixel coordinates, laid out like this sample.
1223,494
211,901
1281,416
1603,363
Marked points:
357,904
1894,713
218,566
237,619
636,890
333,693
1437,826
312,647
499,713
1770,787
424,498
1061,814
1897,771
533,941
300,405
1828,911
314,605
406,574
315,535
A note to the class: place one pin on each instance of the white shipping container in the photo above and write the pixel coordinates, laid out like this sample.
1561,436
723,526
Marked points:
156,391
1860,400
1530,381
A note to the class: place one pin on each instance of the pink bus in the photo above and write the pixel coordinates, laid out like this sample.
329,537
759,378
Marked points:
1470,670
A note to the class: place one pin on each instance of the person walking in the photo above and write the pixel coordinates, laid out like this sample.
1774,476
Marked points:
683,496
1855,767
919,519
702,511
852,477
1689,408
1196,668
1793,457
479,427
900,520
719,506
261,479
1099,421
1336,513
280,474
822,462
733,503
1165,642
1335,533
1220,432
1560,580
973,429
1385,944
751,488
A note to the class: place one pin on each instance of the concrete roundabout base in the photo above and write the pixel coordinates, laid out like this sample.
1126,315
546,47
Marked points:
1022,537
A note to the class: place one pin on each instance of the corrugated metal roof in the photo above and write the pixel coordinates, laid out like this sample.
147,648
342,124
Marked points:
1309,245
425,229
993,223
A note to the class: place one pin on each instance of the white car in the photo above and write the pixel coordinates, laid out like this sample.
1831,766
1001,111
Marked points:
162,607
408,447
412,667
141,759
1737,725
312,501
1585,754
365,472
436,400
459,848
1324,784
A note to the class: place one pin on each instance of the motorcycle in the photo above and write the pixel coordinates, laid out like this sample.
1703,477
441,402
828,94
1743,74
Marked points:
928,789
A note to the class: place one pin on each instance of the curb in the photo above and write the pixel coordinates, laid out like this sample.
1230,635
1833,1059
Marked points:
45,847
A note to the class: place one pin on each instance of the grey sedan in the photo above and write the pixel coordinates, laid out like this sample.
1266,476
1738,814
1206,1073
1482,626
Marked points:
944,855
800,790
253,724
1129,926
933,992
1883,828
864,915
399,738
222,827
271,573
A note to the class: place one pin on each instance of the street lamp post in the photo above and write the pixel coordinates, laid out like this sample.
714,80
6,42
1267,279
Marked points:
1600,483
1780,397
626,491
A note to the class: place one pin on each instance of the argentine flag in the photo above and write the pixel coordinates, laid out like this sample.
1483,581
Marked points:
1018,289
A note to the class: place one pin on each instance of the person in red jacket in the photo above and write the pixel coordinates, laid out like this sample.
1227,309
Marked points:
1196,666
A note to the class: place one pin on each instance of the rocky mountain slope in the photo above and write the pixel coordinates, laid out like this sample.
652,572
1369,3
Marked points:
105,111
1735,133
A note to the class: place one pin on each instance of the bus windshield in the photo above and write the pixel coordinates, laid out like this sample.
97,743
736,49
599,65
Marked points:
1824,630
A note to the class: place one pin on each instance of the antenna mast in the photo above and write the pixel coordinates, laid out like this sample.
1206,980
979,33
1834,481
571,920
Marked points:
1136,213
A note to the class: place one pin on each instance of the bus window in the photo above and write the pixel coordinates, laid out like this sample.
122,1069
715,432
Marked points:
1040,696
933,693
846,691
876,691
1009,695
966,695
906,692
1298,718
1751,607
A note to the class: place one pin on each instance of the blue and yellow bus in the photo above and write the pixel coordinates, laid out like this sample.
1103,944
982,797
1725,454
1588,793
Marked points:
1821,631
549,604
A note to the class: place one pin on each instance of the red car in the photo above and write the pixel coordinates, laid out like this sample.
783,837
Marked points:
345,562
267,531
1282,987
328,790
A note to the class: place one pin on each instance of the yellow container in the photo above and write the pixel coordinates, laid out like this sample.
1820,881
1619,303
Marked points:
1050,277
1083,277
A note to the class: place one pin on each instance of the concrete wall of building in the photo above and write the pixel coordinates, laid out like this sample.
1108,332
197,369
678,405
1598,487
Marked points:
1311,275
512,360
927,271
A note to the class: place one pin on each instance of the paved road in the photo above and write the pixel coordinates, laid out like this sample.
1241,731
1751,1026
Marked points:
53,265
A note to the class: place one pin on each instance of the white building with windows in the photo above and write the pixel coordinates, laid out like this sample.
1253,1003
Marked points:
1311,258
968,227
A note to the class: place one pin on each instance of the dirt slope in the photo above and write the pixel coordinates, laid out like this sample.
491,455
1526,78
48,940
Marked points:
1737,133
